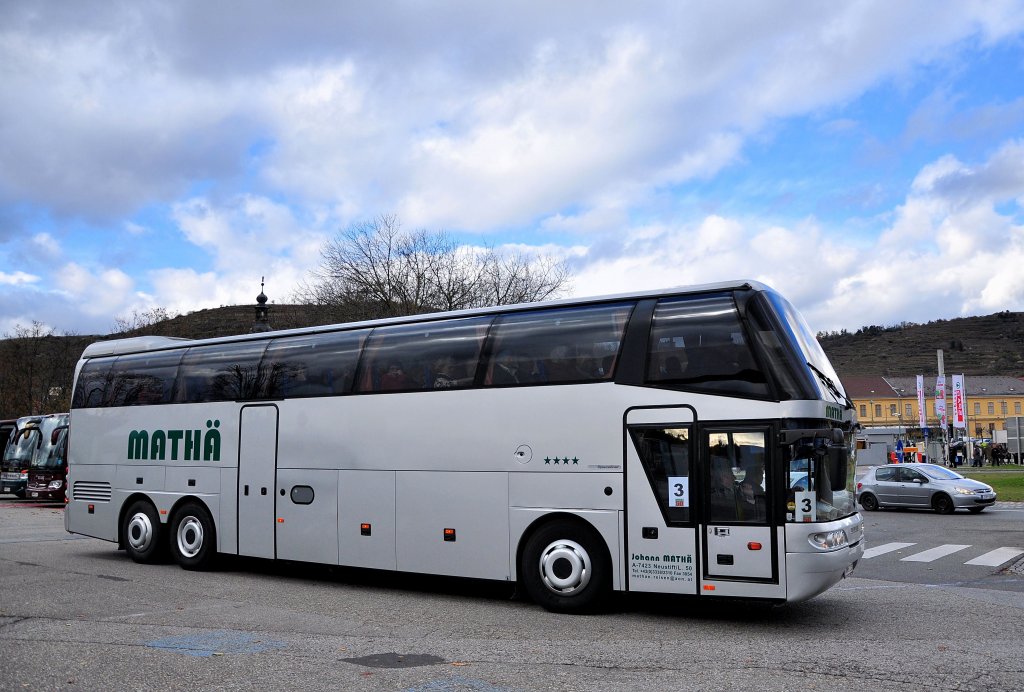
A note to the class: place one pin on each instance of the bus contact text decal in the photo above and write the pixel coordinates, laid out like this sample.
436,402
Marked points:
664,567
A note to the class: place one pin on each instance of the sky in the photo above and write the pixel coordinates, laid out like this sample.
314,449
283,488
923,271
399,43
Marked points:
865,159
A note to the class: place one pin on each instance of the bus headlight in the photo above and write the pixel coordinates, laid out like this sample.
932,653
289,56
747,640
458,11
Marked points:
828,540
55,485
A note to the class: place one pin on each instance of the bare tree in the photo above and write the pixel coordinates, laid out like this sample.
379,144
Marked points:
138,321
376,269
36,368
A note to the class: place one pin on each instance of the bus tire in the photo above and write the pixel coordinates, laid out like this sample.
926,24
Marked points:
566,569
193,537
142,533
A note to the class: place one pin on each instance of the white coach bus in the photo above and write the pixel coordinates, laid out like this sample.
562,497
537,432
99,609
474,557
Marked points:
688,441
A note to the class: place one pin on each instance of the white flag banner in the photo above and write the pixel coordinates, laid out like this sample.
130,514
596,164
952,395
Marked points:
921,419
959,403
940,400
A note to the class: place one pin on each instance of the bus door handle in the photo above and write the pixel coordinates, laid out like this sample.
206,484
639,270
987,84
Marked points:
263,491
246,490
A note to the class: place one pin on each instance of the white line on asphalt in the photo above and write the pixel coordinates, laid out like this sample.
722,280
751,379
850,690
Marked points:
935,553
996,557
884,548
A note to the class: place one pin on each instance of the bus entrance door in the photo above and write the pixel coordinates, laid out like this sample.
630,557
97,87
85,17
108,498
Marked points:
257,466
661,541
739,538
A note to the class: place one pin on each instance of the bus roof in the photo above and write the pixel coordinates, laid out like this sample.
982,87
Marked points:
138,344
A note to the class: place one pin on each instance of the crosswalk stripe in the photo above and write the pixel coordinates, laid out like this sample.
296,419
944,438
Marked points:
935,553
996,557
884,548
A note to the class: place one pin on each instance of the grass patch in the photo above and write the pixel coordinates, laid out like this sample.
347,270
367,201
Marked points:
1007,482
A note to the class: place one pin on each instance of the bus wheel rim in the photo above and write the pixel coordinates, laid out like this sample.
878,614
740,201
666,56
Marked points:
140,532
565,567
190,536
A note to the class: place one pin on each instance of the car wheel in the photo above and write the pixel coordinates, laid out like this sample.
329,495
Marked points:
141,531
943,504
566,569
193,537
869,502
974,510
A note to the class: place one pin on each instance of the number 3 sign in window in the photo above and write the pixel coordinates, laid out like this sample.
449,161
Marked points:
806,502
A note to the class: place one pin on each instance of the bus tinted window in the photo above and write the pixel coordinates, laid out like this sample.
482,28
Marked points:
140,379
431,355
313,365
222,372
665,454
698,343
92,383
560,345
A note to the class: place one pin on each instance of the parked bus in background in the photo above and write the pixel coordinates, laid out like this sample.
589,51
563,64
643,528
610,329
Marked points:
636,443
7,428
47,476
32,439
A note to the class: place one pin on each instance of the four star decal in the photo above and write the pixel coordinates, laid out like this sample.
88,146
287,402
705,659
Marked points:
563,461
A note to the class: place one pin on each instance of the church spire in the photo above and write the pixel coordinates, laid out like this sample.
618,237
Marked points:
262,322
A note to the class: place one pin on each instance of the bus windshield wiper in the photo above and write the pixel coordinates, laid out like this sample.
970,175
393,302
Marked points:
836,391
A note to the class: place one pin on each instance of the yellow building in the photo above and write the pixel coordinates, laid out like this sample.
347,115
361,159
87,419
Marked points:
892,401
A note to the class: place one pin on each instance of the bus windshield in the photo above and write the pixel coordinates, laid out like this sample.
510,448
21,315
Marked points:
803,338
53,458
24,446
822,474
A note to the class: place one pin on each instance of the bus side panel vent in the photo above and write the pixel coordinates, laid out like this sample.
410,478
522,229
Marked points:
92,491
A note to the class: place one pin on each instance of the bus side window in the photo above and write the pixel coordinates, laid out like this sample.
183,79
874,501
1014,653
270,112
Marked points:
558,345
698,343
420,357
221,372
90,390
665,455
143,378
312,365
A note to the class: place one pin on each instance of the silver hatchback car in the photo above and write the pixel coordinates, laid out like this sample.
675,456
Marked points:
922,485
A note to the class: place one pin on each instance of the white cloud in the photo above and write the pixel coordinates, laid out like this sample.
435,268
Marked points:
429,111
17,278
96,293
942,256
263,132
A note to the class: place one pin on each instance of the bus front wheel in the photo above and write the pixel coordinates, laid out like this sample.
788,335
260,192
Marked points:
141,532
193,541
566,569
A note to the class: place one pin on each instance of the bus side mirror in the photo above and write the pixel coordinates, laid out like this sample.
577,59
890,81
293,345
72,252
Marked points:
56,434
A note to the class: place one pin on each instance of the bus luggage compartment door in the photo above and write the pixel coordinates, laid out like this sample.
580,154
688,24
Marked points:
661,539
257,465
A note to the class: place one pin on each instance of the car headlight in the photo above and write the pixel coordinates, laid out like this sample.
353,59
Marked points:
963,491
55,485
828,540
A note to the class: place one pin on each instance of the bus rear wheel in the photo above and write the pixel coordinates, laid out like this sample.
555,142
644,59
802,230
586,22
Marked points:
193,539
566,569
141,531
